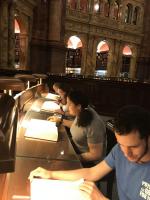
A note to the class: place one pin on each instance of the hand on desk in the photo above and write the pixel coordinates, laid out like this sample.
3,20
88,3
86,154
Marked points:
54,119
40,173
91,190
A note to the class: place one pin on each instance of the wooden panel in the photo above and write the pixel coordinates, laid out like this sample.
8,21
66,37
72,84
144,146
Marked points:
2,185
108,96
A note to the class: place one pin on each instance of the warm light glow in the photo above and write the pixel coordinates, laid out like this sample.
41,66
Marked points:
74,42
96,7
56,190
102,46
17,28
127,51
20,197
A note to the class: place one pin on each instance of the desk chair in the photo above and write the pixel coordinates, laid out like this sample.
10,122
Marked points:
111,141
8,130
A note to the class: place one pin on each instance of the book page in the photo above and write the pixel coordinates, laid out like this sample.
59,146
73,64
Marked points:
56,190
42,129
50,106
52,96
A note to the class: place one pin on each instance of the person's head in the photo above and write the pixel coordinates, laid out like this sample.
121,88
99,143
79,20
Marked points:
56,87
132,130
61,88
78,106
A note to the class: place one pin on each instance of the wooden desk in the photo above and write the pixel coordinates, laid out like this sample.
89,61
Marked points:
31,154
61,150
17,183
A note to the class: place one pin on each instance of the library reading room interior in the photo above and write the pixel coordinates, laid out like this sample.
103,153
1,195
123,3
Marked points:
74,99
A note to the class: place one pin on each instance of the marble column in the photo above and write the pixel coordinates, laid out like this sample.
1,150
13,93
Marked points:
4,34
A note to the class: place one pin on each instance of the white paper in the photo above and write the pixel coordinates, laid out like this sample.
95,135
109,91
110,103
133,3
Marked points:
50,106
42,129
52,96
56,190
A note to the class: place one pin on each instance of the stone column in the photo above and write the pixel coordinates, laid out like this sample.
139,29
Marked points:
90,57
132,72
4,34
11,37
113,62
56,36
78,4
119,60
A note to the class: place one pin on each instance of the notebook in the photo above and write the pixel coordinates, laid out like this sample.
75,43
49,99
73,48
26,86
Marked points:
56,190
49,106
42,129
52,96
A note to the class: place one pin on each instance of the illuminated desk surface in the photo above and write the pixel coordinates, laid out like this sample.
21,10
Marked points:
34,148
17,183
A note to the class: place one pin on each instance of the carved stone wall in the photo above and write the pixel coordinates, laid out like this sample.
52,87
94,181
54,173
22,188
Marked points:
96,27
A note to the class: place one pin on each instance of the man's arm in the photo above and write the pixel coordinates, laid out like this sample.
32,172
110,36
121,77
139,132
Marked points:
90,174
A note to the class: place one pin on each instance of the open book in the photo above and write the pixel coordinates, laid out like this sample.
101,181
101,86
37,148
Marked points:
56,190
52,96
50,106
42,129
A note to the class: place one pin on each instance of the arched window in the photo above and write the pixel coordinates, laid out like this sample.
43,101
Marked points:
115,10
136,15
101,58
97,6
106,8
17,43
72,4
74,55
83,5
128,13
126,59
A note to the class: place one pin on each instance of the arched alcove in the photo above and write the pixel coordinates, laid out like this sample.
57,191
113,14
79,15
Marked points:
101,58
126,61
128,13
106,8
74,55
115,10
97,6
72,4
17,44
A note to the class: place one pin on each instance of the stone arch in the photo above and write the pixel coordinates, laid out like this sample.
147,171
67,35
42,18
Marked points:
24,40
106,8
126,60
74,47
17,43
128,13
102,57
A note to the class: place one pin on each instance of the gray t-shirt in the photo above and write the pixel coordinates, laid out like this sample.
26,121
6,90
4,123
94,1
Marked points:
133,179
94,133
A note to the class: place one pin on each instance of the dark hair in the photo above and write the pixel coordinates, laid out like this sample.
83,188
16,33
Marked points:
131,118
66,88
78,98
